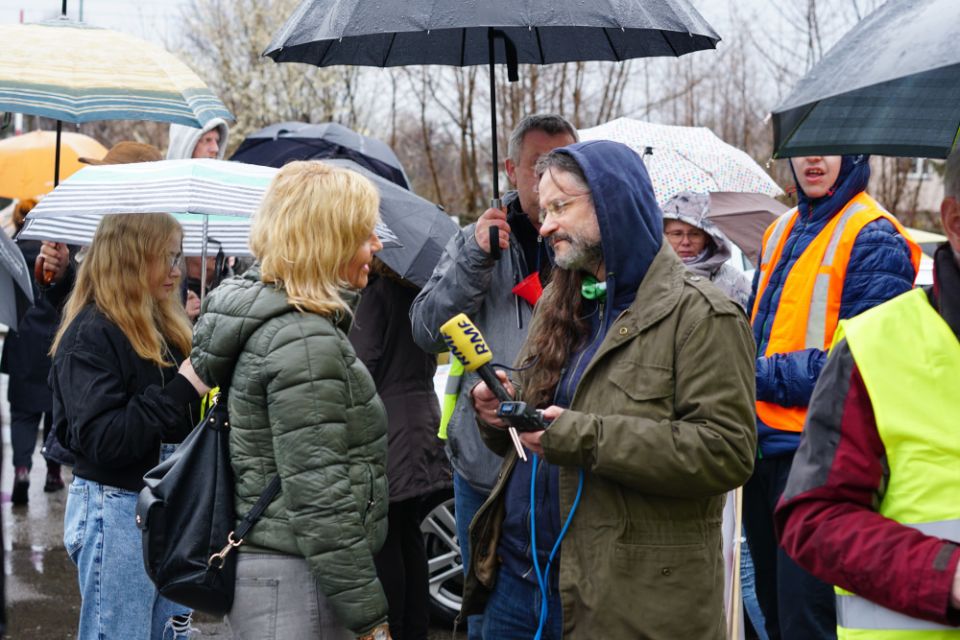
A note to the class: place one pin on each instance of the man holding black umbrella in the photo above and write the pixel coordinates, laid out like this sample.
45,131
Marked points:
498,295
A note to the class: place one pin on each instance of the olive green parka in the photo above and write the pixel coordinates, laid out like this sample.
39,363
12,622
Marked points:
662,425
302,405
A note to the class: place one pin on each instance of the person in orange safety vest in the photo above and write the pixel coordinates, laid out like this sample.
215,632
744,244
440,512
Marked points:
835,255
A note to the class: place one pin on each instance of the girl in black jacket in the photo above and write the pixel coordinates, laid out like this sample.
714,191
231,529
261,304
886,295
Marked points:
122,392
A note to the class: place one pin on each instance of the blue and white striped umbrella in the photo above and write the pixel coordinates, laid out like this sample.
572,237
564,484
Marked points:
223,195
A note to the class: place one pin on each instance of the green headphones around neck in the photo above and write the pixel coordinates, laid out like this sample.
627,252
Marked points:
591,289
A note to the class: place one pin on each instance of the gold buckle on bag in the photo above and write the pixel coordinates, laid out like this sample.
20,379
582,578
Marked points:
221,557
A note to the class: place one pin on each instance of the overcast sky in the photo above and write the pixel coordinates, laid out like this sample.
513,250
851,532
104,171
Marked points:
151,19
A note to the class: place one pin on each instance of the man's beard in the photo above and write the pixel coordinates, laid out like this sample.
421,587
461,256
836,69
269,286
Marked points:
581,254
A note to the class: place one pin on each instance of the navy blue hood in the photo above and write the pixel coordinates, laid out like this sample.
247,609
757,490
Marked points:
631,223
852,179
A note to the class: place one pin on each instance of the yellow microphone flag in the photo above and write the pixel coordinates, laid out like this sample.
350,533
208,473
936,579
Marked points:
465,342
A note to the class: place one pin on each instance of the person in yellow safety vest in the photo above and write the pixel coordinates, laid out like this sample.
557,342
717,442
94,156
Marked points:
835,255
873,502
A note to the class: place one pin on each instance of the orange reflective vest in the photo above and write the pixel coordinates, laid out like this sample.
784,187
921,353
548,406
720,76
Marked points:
809,307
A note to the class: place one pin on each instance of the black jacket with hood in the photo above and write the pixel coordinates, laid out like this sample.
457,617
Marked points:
111,407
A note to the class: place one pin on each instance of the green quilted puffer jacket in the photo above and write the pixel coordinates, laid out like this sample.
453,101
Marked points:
302,405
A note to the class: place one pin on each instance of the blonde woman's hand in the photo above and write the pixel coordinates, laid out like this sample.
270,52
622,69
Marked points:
186,370
192,305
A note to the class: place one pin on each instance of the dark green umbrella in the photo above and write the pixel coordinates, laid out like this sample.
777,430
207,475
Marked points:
890,86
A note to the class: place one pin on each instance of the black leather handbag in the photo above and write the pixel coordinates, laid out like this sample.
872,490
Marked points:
187,516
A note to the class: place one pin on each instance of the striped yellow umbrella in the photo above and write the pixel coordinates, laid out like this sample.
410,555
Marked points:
25,161
74,72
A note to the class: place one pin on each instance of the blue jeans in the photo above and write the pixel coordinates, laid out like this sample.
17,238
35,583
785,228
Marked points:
513,611
466,502
118,600
749,591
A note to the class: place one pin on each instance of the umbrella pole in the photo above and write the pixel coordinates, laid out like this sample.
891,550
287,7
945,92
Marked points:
203,258
495,202
56,155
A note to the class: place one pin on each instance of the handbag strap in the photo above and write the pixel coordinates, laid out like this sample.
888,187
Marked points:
235,537
254,514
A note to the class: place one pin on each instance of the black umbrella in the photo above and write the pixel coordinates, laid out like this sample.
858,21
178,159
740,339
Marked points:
16,286
890,86
278,144
414,230
472,32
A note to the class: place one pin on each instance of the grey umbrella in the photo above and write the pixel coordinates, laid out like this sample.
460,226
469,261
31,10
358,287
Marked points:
890,86
473,32
16,288
414,232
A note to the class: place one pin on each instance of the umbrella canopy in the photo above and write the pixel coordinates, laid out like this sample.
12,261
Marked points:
278,144
16,286
414,230
214,199
890,86
686,158
359,32
26,160
73,72
216,192
743,217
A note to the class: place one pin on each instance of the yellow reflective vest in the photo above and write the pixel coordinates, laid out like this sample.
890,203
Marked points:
909,360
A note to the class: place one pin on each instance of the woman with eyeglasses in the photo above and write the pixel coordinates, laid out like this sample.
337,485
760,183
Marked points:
702,247
124,394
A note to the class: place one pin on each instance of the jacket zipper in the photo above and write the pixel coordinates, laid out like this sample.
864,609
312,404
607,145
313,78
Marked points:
370,500
600,333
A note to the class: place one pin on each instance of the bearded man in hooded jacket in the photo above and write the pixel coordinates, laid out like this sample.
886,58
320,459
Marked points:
644,372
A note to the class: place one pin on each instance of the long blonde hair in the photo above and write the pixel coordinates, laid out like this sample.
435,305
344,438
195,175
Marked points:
116,275
312,220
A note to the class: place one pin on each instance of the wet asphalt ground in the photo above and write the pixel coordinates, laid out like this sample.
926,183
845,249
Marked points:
43,600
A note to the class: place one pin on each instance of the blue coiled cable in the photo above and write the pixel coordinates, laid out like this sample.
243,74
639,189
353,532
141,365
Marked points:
542,577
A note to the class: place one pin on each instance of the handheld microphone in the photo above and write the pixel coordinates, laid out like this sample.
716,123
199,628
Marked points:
469,347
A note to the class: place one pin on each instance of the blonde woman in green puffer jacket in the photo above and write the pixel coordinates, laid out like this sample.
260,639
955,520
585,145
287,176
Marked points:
304,407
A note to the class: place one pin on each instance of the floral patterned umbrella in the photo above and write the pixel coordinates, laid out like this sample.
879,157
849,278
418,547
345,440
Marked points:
686,158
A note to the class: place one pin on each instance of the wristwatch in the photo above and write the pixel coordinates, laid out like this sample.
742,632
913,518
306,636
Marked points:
377,633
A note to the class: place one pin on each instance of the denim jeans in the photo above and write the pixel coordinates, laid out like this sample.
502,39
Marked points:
748,590
277,598
118,600
466,502
513,611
